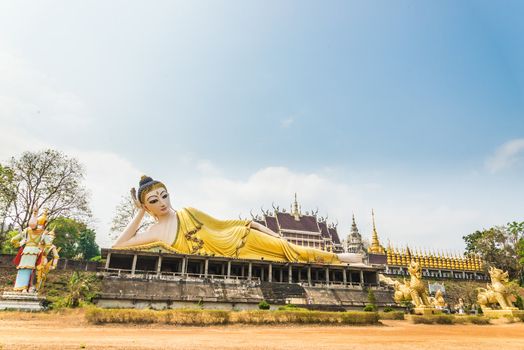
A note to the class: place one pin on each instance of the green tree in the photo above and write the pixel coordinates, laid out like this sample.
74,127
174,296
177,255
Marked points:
7,247
499,246
74,238
80,287
372,301
7,197
47,179
87,246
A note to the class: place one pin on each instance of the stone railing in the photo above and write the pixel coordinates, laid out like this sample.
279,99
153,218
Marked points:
175,276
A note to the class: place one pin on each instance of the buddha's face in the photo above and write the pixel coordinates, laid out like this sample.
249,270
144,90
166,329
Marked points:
157,202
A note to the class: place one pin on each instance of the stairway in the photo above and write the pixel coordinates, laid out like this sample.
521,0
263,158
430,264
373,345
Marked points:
279,293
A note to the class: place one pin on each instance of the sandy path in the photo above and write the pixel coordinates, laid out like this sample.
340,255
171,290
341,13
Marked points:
72,332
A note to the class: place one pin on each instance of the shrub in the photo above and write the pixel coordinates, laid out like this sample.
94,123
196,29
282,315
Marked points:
443,319
264,305
478,320
209,317
372,300
387,309
449,319
392,315
369,308
422,320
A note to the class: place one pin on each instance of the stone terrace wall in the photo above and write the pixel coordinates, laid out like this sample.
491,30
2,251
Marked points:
119,288
6,260
347,297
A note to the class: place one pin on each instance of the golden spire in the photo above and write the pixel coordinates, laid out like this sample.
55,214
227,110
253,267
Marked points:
375,244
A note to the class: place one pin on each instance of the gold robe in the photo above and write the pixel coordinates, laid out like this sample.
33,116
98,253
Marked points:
199,233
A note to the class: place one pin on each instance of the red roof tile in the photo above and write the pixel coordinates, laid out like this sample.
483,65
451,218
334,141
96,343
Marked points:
305,223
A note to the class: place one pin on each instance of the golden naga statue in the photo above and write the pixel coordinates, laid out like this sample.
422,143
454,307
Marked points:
496,292
190,231
417,287
438,300
414,290
402,292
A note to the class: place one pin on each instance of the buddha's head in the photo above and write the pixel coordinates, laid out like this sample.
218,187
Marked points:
153,196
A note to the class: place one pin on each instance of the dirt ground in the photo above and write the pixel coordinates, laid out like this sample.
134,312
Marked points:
71,331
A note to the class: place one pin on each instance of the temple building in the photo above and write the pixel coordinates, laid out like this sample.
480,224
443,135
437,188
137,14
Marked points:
353,243
434,265
305,229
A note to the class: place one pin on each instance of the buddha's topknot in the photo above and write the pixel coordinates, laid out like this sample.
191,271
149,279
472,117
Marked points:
146,184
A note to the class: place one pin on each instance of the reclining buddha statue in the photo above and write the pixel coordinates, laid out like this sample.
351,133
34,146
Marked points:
190,231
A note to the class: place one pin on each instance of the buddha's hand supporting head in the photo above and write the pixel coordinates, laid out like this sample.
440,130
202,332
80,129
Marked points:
153,196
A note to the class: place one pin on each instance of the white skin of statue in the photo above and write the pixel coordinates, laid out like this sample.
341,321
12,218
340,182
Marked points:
158,204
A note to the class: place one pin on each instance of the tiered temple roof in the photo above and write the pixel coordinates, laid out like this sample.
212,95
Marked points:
304,229
353,243
433,259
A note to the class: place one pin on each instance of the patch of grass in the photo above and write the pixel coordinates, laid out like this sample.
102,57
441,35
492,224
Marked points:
291,307
449,319
213,317
422,320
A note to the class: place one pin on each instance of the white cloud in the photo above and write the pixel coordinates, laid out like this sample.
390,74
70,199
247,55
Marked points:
506,156
403,215
33,112
286,123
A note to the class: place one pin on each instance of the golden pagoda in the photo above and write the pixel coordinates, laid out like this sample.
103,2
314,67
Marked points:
375,247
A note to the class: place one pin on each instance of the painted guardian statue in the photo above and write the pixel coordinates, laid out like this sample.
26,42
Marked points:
35,244
191,231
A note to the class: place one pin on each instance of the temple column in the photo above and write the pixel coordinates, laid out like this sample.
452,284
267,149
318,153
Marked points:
350,276
249,270
133,265
270,273
183,268
327,275
362,278
309,276
206,267
223,269
159,265
290,274
229,269
108,259
262,273
242,270
344,277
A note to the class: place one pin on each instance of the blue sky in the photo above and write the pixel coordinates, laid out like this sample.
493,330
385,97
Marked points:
414,108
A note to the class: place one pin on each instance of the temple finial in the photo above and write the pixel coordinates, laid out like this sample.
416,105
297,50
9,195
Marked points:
295,210
375,243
